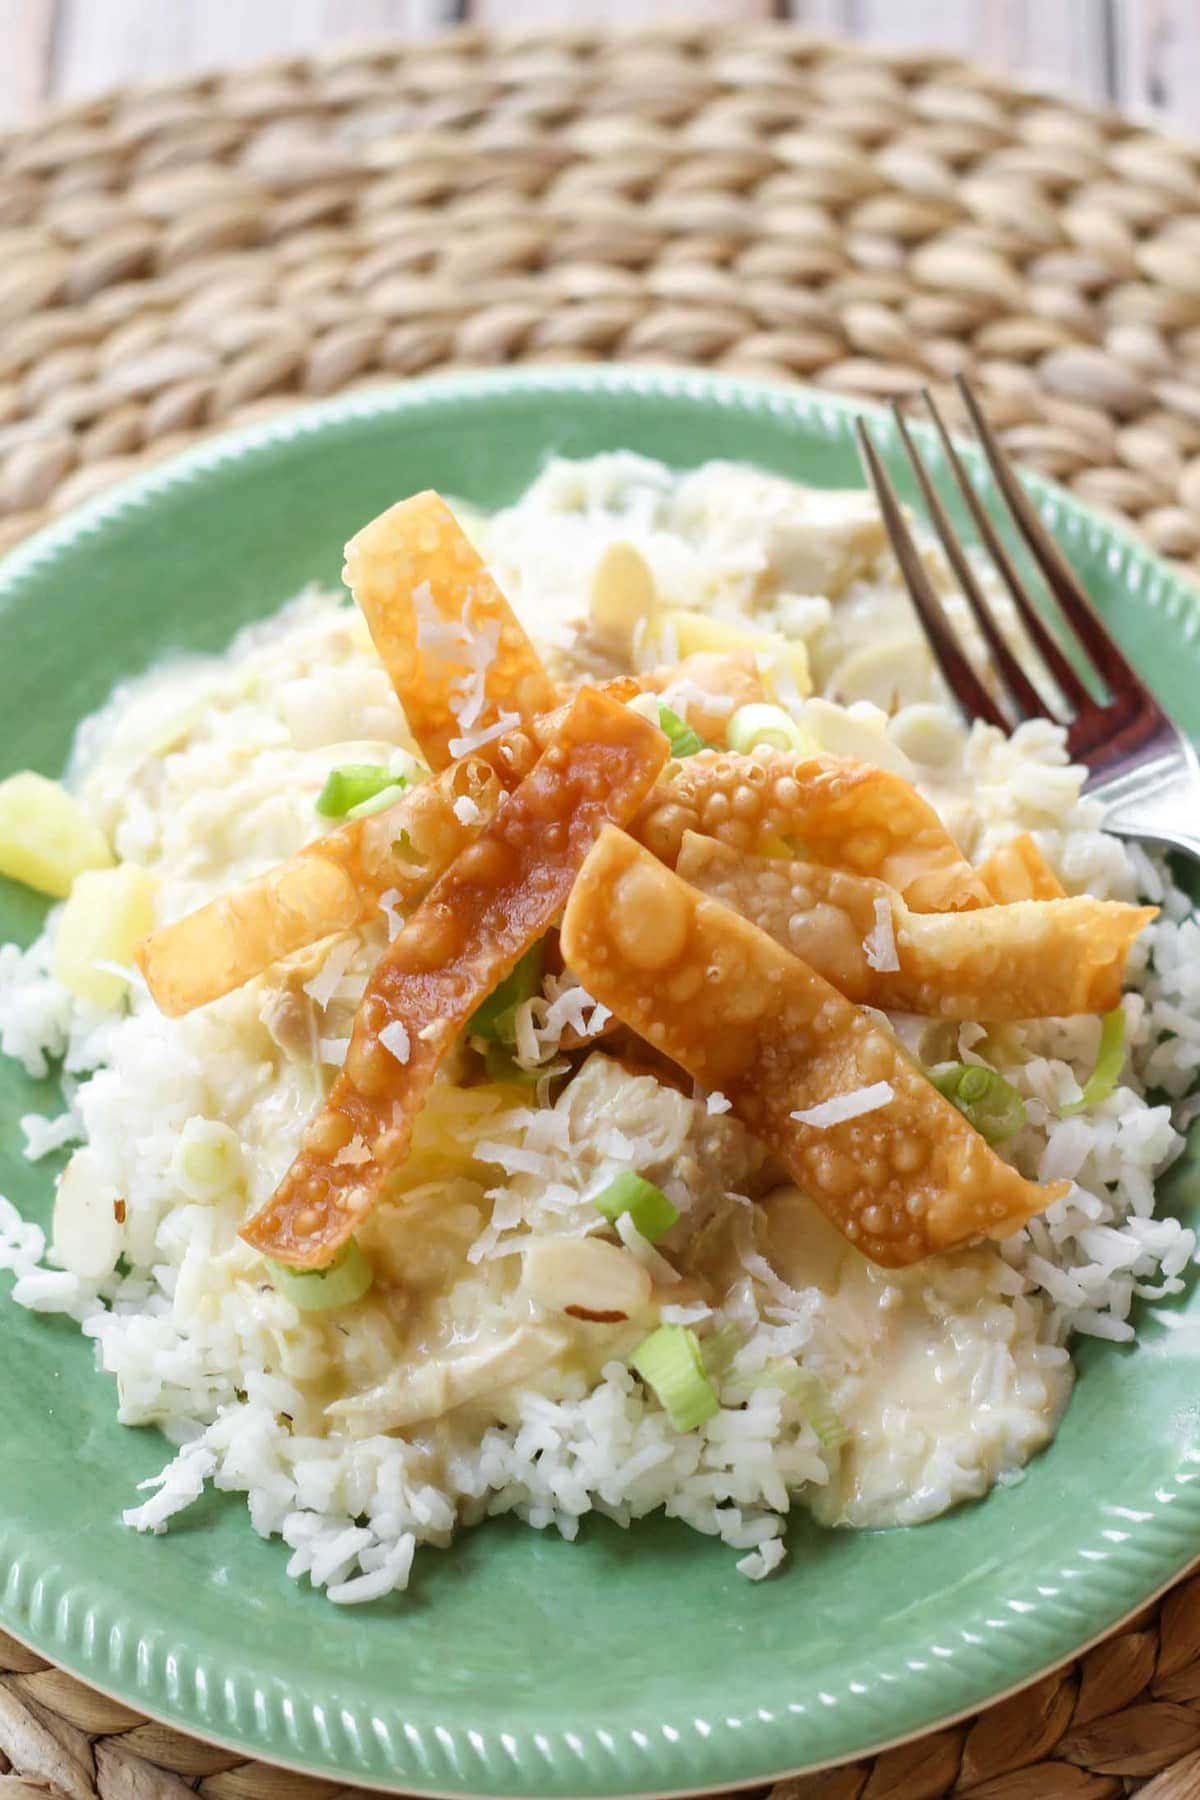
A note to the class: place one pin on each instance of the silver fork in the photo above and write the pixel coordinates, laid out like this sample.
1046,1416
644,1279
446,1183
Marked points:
1140,765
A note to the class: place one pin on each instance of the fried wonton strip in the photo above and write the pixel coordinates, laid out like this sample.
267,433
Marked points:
334,883
747,1019
494,901
400,852
1019,871
459,661
1032,959
830,809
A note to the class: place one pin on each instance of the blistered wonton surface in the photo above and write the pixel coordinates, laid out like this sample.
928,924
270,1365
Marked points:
902,1177
461,664
1027,960
495,901
832,810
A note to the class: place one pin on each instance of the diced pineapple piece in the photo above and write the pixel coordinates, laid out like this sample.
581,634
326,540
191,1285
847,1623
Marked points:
695,631
108,914
46,838
622,597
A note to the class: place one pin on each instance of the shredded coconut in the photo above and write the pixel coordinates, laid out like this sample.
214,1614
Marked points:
388,907
324,983
396,1041
466,811
846,1106
879,945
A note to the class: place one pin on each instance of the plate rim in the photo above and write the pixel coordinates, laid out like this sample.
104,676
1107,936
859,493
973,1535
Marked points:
445,1771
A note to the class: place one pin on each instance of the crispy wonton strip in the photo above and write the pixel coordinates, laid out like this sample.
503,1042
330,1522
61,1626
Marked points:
749,1020
1019,871
829,809
330,885
493,902
1032,959
336,881
458,659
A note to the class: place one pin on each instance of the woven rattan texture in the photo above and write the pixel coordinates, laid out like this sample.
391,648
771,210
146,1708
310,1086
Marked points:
178,260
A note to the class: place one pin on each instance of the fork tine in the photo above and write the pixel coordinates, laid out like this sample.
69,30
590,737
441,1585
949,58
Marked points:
1026,699
960,676
1065,675
1061,579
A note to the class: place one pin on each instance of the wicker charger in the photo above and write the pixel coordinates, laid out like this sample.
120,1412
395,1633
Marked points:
178,259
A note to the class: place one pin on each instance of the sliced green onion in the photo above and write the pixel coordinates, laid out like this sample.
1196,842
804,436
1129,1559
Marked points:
502,1065
493,1017
985,1100
670,1363
352,784
761,723
1110,1060
652,1213
720,1347
379,802
801,1385
346,1280
683,740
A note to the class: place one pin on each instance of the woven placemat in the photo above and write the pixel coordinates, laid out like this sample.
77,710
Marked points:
179,259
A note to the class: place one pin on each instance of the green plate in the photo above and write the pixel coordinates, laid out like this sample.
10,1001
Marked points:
518,1664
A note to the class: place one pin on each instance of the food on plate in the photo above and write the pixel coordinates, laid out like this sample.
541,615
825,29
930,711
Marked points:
588,1029
1026,959
495,902
856,1123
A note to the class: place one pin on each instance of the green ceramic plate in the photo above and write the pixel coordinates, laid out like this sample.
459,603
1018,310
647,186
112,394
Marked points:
518,1664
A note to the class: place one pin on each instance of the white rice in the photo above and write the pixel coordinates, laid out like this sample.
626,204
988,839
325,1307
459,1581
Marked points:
207,773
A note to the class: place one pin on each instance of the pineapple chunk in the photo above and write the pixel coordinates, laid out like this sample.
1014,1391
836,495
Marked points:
622,596
696,631
107,916
46,838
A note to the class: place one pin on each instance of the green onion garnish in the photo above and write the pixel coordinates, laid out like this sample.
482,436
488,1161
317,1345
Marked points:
379,802
652,1213
493,1017
351,785
800,1384
669,1362
683,740
761,723
502,1065
985,1100
1110,1060
346,1280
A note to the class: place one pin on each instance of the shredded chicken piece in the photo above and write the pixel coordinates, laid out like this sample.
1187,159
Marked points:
496,899
1032,959
847,814
746,1018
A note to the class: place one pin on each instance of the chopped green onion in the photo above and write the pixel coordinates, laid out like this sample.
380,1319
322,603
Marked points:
379,802
670,1363
652,1213
985,1100
720,1347
1110,1060
346,1280
761,723
493,1017
502,1065
350,785
801,1385
683,740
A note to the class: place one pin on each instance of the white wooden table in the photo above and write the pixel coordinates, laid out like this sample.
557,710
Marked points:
1142,56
